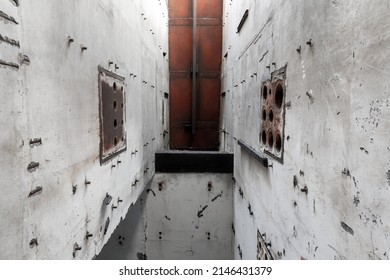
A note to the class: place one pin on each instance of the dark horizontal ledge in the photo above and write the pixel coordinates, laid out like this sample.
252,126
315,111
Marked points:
193,162
255,154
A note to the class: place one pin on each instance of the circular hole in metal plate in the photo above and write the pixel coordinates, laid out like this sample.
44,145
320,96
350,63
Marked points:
271,116
278,142
270,139
279,96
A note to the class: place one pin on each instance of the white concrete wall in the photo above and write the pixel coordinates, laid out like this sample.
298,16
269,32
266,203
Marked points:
55,97
343,129
178,218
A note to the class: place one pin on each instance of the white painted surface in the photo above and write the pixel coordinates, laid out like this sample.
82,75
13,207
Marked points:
187,232
347,73
56,98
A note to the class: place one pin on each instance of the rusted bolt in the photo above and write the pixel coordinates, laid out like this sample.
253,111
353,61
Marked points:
295,181
309,43
88,235
268,67
135,182
299,49
113,207
74,189
116,67
83,48
113,166
36,191
110,62
87,182
33,243
107,199
32,166
305,190
70,40
250,210
76,248
119,200
35,142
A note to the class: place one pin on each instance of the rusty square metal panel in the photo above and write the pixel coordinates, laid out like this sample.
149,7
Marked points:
112,114
273,95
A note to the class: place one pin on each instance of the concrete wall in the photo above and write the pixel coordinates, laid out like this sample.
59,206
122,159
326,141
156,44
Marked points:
49,90
179,217
336,127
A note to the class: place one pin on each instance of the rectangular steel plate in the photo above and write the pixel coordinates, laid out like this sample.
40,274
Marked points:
112,114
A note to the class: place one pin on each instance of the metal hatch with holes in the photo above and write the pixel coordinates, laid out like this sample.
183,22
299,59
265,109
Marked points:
112,114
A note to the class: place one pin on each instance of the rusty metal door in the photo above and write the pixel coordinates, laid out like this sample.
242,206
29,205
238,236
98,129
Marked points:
195,73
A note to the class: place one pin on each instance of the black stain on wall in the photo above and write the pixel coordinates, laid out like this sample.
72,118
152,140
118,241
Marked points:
295,181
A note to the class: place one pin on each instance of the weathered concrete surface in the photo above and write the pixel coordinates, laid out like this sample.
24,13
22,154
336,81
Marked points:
336,136
180,217
49,91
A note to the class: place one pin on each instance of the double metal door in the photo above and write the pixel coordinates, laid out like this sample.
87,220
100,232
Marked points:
195,42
